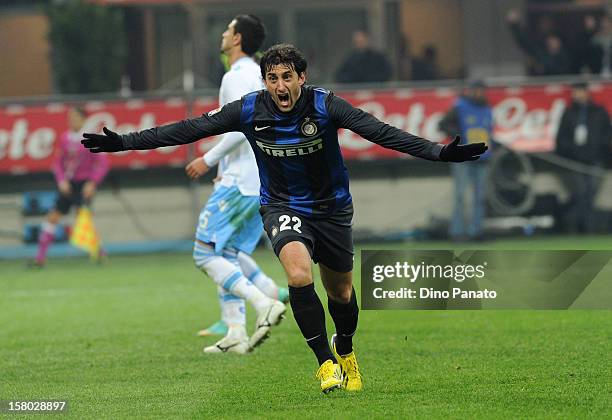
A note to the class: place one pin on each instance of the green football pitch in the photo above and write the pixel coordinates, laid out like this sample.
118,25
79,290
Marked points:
118,340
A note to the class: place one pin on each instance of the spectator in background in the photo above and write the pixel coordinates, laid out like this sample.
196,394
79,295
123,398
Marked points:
425,67
404,62
581,48
584,136
363,64
77,174
471,117
600,49
545,49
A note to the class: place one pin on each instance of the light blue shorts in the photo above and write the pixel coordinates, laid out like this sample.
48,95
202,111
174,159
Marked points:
230,220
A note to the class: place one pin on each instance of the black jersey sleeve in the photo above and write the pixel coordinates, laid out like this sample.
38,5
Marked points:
186,131
344,115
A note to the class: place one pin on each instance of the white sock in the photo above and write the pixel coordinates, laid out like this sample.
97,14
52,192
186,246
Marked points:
252,271
226,273
233,308
220,295
237,331
244,288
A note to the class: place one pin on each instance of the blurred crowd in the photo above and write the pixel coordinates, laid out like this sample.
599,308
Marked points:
365,64
585,49
549,51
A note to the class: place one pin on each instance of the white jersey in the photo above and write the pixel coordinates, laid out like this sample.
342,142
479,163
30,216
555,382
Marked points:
237,165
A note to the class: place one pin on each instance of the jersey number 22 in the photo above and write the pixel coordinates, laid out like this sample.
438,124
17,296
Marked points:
285,221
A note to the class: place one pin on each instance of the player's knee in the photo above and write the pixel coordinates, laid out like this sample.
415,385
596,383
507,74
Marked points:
230,255
200,261
221,271
299,276
340,294
205,259
247,264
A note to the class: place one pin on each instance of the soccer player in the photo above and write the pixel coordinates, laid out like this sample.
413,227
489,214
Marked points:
229,224
305,201
77,175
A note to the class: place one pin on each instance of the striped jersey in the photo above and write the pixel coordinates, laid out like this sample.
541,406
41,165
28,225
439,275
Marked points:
298,155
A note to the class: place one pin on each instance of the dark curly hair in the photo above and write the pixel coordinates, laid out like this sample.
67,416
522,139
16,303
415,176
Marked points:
285,54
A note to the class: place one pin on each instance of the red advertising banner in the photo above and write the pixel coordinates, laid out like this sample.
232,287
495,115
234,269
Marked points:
526,120
28,134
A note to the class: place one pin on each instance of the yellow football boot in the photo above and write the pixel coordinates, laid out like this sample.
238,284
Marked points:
351,377
330,376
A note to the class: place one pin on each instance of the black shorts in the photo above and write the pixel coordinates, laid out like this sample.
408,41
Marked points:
329,240
75,198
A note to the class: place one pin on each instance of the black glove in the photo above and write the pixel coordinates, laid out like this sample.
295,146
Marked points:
453,152
107,142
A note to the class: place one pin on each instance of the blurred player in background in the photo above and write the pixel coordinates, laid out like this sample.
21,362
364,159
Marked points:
229,226
306,207
77,175
472,118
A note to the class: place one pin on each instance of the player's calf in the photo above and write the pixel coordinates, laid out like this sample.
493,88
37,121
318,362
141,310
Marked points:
231,279
228,276
251,270
345,315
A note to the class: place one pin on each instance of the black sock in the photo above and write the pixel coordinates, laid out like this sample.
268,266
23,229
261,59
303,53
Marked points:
310,317
345,316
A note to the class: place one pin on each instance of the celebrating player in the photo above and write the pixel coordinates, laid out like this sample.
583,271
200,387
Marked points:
229,225
305,201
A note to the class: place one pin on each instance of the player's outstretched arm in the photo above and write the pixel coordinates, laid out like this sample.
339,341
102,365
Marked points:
376,131
186,131
108,142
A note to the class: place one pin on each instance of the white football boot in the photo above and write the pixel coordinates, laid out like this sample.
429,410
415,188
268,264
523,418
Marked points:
270,316
236,341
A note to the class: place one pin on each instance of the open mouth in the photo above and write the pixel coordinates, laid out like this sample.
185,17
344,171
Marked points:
283,99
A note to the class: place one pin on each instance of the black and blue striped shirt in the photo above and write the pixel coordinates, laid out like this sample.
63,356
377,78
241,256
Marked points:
298,155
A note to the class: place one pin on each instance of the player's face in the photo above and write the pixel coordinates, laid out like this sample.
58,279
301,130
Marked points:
284,85
229,38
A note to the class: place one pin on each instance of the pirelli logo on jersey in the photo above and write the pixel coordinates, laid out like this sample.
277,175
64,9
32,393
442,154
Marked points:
286,150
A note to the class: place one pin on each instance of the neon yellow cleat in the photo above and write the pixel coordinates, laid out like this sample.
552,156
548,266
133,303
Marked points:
351,377
330,376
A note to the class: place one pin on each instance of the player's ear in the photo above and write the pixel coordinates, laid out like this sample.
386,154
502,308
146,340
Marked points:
302,78
237,38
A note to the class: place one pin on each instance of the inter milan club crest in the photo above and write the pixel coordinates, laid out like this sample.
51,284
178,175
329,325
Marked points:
309,128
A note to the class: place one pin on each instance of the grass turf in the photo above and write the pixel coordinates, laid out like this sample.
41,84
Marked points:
118,341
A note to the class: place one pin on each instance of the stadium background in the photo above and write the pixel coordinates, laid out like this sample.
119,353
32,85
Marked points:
177,43
103,321
397,197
